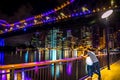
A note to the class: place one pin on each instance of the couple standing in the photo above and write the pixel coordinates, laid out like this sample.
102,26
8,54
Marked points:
92,64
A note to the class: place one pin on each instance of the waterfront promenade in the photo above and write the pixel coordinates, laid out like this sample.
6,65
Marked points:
112,74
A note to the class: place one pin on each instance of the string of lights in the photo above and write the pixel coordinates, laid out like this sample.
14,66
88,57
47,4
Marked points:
40,15
37,20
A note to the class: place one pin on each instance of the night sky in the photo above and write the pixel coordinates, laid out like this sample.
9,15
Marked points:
10,7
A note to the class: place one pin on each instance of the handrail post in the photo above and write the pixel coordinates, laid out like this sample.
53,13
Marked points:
76,69
12,74
55,78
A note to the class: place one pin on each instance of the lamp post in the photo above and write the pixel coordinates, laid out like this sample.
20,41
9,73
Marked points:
105,16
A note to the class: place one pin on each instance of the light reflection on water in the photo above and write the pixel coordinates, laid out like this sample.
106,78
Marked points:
59,69
4,77
39,56
53,54
23,75
69,68
1,58
35,54
26,57
22,56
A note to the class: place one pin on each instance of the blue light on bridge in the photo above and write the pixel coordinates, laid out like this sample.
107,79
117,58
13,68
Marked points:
24,29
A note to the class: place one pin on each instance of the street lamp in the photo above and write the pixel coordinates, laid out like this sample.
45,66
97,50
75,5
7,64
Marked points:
105,15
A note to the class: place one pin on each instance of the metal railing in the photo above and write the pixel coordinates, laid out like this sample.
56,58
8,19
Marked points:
64,69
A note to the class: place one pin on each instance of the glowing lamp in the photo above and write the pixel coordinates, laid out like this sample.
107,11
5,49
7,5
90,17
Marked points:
116,6
104,8
62,14
94,11
25,23
6,29
68,2
22,21
47,17
11,24
35,21
17,26
107,14
11,28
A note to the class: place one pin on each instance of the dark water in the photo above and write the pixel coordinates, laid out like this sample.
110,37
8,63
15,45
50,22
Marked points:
26,56
15,57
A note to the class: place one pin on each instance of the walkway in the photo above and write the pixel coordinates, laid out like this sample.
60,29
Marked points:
112,74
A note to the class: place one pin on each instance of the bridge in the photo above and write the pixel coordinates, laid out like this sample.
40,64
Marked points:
56,15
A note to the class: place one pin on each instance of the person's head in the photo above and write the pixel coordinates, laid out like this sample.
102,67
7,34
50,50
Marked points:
85,52
90,49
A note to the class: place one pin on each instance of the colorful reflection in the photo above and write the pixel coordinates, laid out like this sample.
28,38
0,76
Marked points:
75,53
36,69
5,75
1,58
15,76
2,42
26,57
59,69
39,55
69,68
53,54
66,53
23,75
59,54
35,54
47,55
31,58
52,70
20,53
8,75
